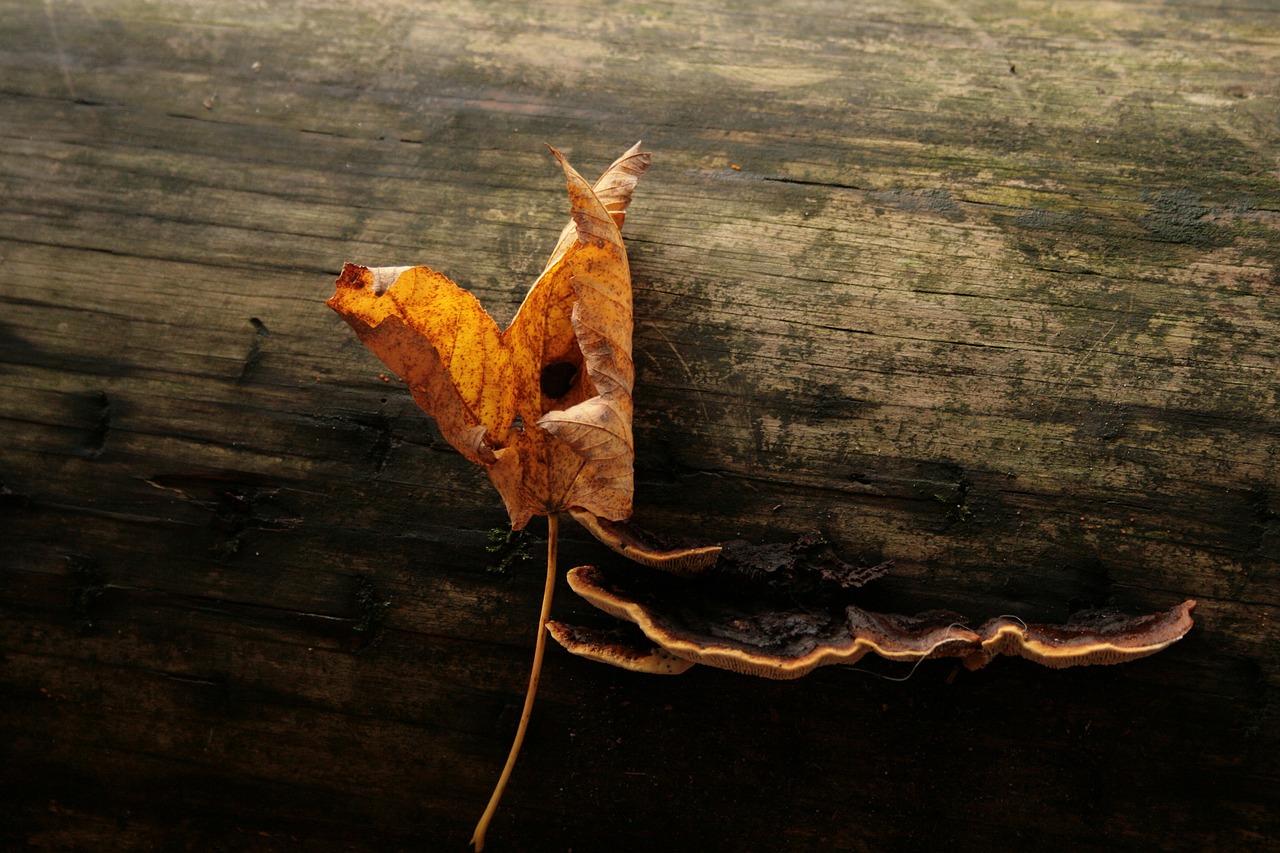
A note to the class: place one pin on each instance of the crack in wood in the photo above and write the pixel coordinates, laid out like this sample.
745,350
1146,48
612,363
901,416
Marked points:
254,356
95,442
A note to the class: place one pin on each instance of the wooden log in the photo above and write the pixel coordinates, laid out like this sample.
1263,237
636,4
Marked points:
987,291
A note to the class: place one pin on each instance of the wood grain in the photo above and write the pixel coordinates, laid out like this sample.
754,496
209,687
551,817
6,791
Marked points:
986,289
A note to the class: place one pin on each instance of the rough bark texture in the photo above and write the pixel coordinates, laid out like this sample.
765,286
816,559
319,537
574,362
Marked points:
991,290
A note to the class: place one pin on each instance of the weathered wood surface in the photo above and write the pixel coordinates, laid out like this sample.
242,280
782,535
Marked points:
988,289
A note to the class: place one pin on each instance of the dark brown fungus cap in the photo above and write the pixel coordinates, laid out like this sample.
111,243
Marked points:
627,649
782,638
644,548
808,564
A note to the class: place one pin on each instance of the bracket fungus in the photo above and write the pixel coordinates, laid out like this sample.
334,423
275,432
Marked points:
544,407
714,622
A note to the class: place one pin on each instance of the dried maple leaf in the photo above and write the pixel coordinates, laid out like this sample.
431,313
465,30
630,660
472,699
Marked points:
544,406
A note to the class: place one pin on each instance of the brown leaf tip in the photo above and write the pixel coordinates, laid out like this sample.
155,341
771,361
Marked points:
353,277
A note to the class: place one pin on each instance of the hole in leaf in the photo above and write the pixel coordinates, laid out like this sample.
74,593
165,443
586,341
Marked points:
558,378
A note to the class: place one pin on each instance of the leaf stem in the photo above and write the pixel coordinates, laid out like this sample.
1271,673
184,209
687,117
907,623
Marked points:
539,647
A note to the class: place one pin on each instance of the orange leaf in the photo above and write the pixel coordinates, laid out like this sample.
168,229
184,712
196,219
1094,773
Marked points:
545,406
